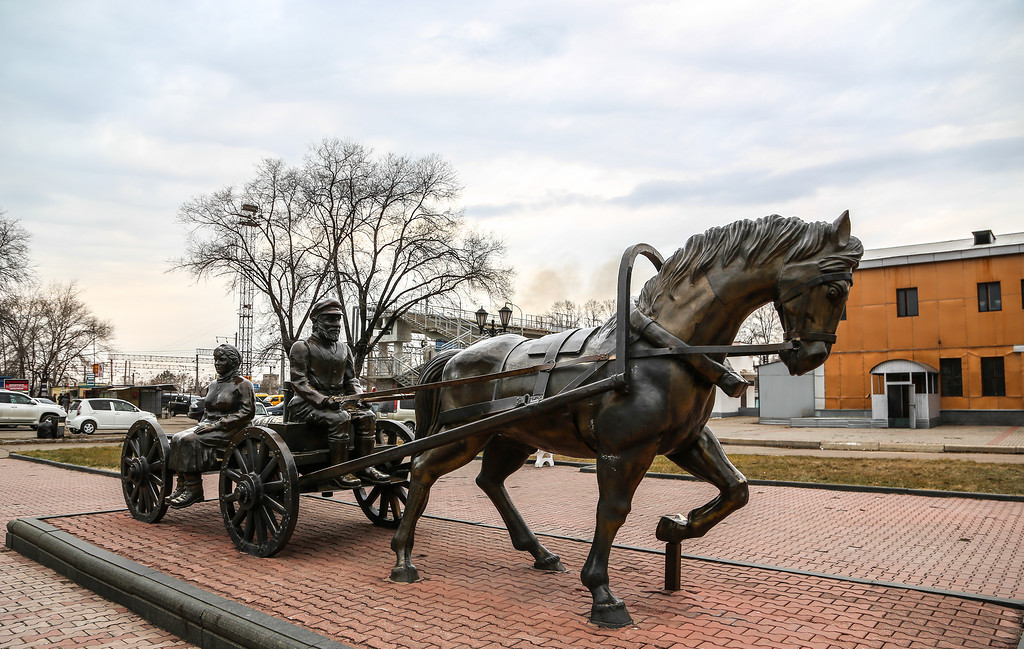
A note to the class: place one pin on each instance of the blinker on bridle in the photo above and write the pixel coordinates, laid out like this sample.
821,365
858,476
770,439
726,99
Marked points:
792,331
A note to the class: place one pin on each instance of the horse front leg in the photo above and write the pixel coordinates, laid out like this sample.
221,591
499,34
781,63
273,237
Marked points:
426,469
705,460
617,479
502,458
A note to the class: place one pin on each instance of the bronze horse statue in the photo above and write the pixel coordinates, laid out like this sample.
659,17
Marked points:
701,295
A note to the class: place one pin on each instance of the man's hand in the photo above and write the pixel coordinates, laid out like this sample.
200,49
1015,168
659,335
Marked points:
334,402
356,404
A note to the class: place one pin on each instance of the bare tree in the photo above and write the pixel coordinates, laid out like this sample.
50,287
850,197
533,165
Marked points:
14,259
565,313
276,248
380,233
49,334
761,328
596,312
396,236
180,380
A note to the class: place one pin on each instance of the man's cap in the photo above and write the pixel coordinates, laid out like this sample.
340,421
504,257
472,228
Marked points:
326,306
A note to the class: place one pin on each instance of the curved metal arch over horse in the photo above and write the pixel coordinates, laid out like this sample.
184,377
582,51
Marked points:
641,385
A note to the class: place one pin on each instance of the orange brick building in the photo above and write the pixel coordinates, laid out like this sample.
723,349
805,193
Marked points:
933,333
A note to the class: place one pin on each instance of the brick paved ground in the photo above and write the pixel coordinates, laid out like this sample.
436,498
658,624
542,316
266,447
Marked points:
961,544
478,592
40,608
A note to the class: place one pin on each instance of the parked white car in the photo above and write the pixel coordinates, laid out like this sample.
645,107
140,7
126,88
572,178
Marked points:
18,409
400,410
89,415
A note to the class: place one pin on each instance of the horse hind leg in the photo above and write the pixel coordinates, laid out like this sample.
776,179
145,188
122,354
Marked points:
707,461
503,457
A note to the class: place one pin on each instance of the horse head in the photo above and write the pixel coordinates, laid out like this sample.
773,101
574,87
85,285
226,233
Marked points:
810,297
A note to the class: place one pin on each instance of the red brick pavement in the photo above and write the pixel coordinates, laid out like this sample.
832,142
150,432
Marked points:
477,592
960,544
40,608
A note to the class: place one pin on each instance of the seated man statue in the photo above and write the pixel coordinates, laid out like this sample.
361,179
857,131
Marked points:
322,373
229,408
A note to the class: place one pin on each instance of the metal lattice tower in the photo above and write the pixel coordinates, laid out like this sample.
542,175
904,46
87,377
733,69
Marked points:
246,289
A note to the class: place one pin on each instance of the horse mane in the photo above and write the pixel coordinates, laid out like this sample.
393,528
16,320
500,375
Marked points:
757,243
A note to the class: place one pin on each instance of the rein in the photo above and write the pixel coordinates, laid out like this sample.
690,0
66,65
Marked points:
697,356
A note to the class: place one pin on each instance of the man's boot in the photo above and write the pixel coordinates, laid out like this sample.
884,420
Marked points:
191,494
339,453
364,446
178,489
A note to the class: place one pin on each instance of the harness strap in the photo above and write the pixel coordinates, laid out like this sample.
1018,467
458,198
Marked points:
814,281
706,368
473,411
504,363
541,386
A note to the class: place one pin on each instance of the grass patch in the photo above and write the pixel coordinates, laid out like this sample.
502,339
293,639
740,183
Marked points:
97,457
942,475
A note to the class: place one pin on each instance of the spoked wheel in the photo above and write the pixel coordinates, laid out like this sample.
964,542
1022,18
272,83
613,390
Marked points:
384,504
145,478
259,492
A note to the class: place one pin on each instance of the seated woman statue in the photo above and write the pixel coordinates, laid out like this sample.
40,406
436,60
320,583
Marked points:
229,408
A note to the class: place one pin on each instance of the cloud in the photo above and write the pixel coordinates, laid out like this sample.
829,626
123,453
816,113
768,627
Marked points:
578,127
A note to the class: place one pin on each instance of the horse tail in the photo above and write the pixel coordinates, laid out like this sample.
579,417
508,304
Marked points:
428,402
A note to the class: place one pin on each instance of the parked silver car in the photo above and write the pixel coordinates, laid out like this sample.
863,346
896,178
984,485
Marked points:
18,409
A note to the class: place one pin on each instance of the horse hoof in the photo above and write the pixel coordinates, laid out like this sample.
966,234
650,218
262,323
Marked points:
549,564
610,616
404,575
672,529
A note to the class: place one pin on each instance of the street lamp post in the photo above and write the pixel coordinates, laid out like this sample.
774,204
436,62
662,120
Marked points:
522,317
504,313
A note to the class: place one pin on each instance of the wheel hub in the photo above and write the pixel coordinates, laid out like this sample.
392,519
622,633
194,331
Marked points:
249,491
138,468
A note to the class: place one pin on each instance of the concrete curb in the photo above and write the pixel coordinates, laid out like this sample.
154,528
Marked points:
192,614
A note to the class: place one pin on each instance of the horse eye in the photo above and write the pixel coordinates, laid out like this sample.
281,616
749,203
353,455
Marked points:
834,293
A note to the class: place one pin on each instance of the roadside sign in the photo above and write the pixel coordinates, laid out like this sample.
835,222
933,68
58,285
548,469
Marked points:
17,385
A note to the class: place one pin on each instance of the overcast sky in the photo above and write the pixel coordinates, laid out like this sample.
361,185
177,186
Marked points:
578,128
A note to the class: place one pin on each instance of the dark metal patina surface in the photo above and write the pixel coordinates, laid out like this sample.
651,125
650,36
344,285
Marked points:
669,353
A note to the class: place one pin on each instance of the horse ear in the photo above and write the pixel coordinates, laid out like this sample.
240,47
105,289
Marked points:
842,227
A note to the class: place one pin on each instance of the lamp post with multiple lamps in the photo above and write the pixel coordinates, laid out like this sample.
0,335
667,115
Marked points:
504,314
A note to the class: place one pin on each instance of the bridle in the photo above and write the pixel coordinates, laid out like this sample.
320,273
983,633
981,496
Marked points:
794,327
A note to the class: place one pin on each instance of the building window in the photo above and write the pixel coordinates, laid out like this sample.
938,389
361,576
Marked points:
989,297
993,382
951,370
906,302
877,384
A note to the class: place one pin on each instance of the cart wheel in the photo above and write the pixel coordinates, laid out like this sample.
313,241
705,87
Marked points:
259,492
384,504
145,478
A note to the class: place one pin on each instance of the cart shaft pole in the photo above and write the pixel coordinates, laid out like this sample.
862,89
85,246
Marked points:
461,432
